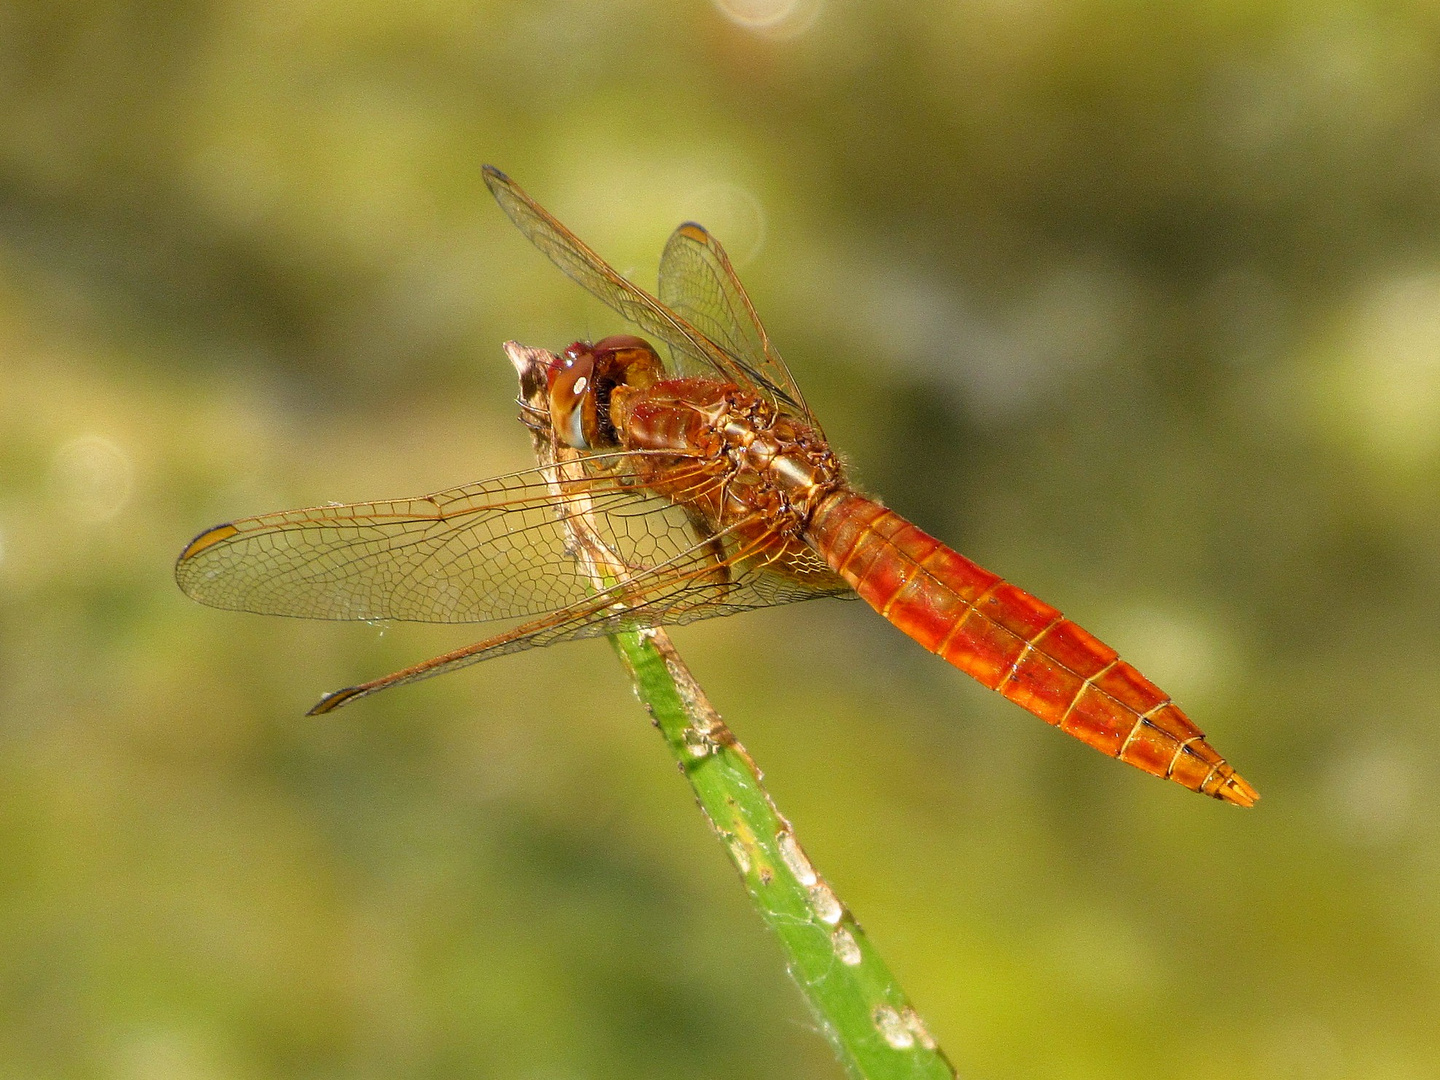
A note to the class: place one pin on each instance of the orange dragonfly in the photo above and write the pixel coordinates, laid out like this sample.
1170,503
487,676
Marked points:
713,485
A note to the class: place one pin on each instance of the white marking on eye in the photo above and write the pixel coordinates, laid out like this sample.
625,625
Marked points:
574,431
580,384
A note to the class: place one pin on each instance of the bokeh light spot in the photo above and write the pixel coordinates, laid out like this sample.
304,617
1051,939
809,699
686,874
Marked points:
772,18
1373,794
92,478
733,214
1385,390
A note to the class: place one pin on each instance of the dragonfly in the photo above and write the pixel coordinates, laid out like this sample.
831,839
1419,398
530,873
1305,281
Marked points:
710,480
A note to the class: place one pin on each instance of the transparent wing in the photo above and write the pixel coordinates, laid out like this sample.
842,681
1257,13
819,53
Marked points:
698,283
490,550
582,265
689,586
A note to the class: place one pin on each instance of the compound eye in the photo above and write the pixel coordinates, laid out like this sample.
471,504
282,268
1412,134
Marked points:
572,397
629,360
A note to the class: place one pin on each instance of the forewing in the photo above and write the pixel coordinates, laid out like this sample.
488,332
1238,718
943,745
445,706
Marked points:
490,550
698,283
584,266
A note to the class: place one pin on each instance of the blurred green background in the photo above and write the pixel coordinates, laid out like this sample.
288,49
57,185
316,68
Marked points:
1137,304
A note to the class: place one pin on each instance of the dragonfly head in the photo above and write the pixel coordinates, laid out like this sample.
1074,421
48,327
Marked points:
583,384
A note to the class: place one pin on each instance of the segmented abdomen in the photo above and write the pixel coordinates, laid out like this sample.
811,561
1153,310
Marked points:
1016,644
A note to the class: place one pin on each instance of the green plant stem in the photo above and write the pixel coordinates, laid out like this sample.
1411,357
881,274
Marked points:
858,1004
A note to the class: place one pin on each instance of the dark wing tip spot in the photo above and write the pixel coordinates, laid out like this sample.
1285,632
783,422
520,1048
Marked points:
334,700
209,538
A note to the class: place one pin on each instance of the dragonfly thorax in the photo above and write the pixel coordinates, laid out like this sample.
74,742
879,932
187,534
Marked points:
781,456
725,452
